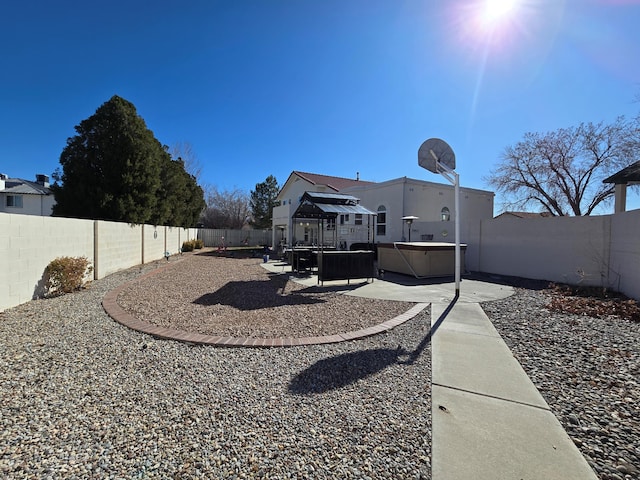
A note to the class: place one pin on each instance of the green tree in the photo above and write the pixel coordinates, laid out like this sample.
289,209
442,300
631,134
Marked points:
115,169
180,198
263,199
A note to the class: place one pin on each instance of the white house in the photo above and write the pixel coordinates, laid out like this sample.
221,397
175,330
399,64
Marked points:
432,203
25,197
285,231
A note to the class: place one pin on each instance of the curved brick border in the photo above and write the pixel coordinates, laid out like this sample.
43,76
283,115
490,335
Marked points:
116,312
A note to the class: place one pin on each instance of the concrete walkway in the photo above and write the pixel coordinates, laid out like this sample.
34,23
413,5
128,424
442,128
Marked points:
488,419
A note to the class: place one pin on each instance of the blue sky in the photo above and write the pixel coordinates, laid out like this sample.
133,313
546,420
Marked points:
335,87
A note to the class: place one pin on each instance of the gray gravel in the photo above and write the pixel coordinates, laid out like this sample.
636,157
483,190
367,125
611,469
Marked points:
587,369
84,397
237,297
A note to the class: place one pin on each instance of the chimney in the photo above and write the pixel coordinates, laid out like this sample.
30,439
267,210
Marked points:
357,176
42,180
3,177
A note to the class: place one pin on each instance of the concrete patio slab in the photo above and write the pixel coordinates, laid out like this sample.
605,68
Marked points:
485,438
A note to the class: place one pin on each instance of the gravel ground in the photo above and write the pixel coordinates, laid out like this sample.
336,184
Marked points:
237,297
84,397
587,369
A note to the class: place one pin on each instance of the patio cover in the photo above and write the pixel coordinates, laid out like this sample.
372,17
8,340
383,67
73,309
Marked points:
630,174
328,205
627,176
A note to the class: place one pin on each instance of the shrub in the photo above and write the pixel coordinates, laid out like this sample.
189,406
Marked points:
188,246
191,245
66,274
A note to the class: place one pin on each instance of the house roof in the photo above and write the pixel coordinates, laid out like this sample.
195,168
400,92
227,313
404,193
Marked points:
525,214
626,175
19,186
335,183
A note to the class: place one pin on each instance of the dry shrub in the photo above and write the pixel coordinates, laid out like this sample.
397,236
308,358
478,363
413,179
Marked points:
191,245
66,275
592,302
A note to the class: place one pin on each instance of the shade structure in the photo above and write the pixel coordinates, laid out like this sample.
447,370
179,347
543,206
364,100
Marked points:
314,205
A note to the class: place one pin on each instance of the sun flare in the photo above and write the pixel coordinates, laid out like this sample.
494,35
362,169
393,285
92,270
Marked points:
494,12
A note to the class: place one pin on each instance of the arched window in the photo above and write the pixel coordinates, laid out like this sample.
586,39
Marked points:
445,214
381,228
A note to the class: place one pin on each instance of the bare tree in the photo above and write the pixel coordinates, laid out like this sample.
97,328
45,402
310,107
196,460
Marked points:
184,151
226,209
562,171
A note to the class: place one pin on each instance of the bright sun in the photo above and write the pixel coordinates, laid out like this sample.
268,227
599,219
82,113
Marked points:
495,12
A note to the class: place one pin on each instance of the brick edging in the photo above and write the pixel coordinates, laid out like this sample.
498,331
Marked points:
120,315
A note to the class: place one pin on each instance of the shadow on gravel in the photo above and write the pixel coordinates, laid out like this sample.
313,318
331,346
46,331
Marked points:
518,282
345,369
258,294
338,372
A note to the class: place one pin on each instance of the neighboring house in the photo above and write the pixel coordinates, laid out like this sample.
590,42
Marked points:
433,204
285,232
525,215
25,197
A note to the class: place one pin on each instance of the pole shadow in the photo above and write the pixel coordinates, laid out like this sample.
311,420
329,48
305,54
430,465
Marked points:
346,369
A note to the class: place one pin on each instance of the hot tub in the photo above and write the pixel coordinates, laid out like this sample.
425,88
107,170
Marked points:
420,259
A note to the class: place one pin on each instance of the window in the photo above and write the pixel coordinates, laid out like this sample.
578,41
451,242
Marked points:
331,223
358,219
381,228
344,219
445,214
14,201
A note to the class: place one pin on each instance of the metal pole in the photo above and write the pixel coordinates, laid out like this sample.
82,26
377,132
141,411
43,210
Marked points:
457,226
454,178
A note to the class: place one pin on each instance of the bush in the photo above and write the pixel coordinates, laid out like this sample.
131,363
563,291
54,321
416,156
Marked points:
191,245
187,246
66,274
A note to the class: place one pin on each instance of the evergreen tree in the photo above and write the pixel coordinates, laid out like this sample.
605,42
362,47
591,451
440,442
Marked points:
180,198
115,169
263,199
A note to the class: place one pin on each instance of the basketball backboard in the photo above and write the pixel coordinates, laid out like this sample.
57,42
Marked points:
434,151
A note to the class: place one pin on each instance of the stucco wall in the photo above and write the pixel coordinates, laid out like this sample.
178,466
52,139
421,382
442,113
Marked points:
425,200
598,250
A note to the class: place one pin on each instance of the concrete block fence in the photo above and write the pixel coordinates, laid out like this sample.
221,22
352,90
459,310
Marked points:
602,251
597,251
28,243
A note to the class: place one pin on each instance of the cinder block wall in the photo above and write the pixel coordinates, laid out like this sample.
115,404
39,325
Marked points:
28,243
596,251
118,246
625,253
153,243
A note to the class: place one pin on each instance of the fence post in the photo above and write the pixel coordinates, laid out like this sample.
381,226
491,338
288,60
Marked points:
95,250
